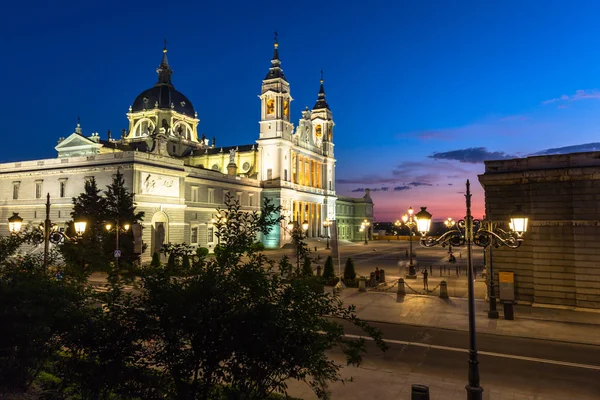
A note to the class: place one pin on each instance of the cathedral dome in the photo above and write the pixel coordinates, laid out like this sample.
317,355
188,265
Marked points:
163,95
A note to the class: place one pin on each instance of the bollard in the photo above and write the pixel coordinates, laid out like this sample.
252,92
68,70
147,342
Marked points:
443,290
362,284
372,281
401,288
381,276
419,392
318,270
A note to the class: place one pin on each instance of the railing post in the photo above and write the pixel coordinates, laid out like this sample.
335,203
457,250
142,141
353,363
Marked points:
401,289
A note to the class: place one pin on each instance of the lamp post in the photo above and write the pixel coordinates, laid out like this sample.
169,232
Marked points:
50,233
410,221
327,224
118,228
469,232
298,236
397,224
365,226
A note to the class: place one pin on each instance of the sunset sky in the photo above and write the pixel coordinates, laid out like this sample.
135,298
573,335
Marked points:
422,92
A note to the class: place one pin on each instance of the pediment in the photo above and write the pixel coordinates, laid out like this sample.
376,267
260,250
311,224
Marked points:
77,145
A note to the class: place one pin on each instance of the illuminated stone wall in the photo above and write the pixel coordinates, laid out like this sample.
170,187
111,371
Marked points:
559,261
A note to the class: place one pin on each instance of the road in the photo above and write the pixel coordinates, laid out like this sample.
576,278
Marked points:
510,367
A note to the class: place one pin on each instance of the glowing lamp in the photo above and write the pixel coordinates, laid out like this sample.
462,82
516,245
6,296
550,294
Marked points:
80,226
305,225
518,222
14,223
423,221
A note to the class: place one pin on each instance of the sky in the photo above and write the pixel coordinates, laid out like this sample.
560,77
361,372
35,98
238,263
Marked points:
422,92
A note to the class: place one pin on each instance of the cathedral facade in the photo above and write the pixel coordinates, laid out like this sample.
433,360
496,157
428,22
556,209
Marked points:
179,179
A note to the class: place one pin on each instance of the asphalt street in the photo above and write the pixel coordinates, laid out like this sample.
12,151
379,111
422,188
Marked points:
549,369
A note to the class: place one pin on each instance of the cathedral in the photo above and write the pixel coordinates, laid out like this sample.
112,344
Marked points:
180,179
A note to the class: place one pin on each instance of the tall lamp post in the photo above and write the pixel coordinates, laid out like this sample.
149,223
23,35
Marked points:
397,224
118,228
365,227
298,236
410,222
471,231
327,224
50,231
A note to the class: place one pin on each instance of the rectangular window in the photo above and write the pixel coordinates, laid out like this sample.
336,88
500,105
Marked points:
210,234
251,199
16,190
239,198
62,188
194,194
285,175
35,214
38,190
211,195
329,185
194,235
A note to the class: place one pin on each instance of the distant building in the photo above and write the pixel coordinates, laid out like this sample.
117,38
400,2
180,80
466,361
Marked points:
179,179
559,261
351,212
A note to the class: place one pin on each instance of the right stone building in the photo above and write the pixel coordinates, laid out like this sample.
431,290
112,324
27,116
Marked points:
558,263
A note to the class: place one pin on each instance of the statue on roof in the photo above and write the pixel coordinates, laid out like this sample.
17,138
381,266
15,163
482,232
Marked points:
232,156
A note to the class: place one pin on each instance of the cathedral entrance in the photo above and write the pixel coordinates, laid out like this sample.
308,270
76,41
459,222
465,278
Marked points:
160,230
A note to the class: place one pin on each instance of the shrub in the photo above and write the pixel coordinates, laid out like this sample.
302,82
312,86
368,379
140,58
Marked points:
285,267
328,271
349,272
258,246
156,260
201,252
307,267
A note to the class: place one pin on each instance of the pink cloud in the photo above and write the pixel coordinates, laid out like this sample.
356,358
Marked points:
578,95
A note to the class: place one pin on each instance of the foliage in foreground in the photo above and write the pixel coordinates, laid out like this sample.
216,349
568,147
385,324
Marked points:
229,320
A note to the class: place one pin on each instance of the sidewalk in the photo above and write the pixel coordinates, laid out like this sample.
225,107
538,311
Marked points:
452,313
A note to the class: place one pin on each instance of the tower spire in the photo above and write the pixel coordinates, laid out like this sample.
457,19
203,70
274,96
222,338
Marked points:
275,71
321,102
164,70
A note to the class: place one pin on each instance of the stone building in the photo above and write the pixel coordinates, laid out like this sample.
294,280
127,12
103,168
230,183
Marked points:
558,263
180,179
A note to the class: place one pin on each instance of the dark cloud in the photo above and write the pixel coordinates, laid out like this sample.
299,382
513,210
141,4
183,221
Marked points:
398,188
384,188
369,179
473,155
579,148
420,184
358,190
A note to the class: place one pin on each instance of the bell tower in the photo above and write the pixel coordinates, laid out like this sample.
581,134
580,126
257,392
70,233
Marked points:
322,121
275,101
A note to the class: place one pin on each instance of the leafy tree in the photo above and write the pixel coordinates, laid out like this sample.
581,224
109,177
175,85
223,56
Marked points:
36,311
328,271
349,272
242,324
88,253
285,268
120,208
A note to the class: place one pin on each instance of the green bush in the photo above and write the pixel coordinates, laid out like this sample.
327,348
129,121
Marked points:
349,272
258,246
307,267
285,267
201,252
156,260
328,271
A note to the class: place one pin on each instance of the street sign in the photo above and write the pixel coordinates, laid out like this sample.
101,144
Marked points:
117,253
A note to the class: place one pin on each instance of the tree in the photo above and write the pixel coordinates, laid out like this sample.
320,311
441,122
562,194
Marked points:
120,209
349,272
242,325
88,253
328,271
36,311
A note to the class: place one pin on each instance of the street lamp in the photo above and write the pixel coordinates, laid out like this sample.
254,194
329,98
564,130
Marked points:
410,221
298,236
327,224
117,230
365,226
471,231
449,223
14,223
50,231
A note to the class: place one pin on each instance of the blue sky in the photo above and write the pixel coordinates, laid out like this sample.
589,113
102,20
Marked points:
422,91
